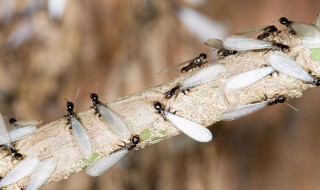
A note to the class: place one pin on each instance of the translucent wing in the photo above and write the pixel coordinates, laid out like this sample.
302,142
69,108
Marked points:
317,23
202,76
23,123
284,64
190,128
305,30
21,170
103,164
81,136
245,79
311,42
43,173
173,67
251,30
242,111
22,132
214,43
242,43
4,135
56,8
115,121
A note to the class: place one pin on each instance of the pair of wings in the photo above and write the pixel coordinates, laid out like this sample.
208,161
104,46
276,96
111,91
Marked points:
40,170
21,130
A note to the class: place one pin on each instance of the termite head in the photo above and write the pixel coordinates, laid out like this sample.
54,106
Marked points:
316,82
271,29
172,92
12,120
95,98
203,56
158,106
280,99
135,139
285,21
70,107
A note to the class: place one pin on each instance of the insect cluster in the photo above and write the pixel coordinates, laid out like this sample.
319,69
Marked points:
40,170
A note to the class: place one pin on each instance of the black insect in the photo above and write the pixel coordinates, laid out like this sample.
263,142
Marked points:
193,63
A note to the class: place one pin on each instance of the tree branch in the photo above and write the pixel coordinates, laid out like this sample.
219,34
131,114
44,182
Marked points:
203,104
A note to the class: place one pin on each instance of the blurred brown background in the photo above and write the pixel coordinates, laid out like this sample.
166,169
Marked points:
116,48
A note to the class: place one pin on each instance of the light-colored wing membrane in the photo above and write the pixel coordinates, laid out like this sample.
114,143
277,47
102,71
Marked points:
115,121
4,135
22,132
251,30
43,173
82,138
305,30
245,79
103,164
284,64
24,123
243,43
214,43
317,23
202,76
190,128
21,170
242,111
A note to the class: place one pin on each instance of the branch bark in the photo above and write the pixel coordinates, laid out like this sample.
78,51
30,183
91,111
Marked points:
203,104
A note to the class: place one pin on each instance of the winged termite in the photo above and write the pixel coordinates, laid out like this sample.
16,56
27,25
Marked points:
20,171
193,63
188,127
81,136
245,110
265,31
284,64
202,76
120,127
218,44
304,30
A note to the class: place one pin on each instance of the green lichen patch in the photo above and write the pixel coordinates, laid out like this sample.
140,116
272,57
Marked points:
93,157
315,54
146,134
163,132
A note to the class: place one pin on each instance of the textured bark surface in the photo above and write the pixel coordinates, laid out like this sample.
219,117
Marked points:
116,48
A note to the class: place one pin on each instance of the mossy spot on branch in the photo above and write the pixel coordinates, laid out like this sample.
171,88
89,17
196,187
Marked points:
93,157
146,134
315,54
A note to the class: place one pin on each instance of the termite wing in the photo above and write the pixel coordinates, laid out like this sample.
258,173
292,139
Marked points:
22,129
245,110
284,64
118,126
317,23
218,44
243,43
193,63
265,31
101,165
304,30
20,171
202,76
245,79
190,128
81,136
4,135
42,173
